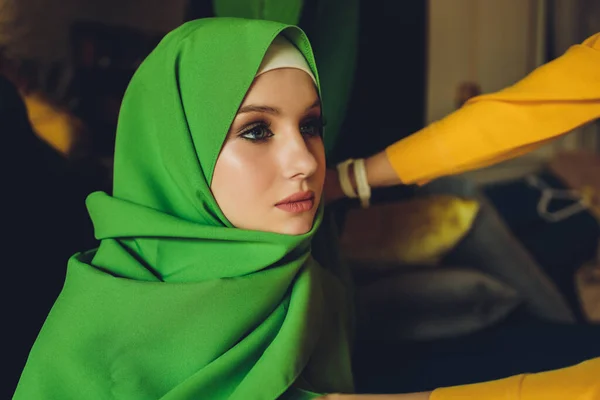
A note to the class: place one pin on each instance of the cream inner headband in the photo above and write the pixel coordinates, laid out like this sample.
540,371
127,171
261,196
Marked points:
283,54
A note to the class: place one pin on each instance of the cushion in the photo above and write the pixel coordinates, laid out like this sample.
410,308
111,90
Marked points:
432,303
419,230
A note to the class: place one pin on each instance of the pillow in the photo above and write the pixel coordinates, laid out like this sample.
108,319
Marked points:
428,304
56,127
419,230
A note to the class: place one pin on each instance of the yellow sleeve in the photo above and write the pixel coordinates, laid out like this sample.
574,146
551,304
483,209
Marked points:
580,382
551,101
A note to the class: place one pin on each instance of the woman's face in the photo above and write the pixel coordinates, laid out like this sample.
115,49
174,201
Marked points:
270,173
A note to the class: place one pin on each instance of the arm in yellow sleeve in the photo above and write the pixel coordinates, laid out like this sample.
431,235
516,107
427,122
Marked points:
580,382
551,101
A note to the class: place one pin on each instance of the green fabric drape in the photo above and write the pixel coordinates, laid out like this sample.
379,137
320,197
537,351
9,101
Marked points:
332,27
176,303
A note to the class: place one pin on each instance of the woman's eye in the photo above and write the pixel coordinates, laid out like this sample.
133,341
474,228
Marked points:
257,133
312,128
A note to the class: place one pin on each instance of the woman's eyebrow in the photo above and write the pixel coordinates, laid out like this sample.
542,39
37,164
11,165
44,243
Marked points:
316,104
271,110
256,108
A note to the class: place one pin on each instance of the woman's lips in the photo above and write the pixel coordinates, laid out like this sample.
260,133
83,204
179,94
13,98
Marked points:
298,202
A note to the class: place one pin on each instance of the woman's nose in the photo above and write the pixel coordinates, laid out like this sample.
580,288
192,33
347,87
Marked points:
299,159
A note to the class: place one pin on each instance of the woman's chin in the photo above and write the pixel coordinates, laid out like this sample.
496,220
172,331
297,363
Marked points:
296,226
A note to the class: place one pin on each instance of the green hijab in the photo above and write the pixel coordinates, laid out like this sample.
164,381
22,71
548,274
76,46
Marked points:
176,303
332,26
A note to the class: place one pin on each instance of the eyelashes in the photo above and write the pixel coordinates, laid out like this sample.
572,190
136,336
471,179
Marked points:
313,127
260,131
257,132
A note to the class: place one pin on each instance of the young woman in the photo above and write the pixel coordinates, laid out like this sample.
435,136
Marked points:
203,285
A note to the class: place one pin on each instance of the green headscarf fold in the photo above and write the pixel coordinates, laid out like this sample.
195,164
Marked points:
176,303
